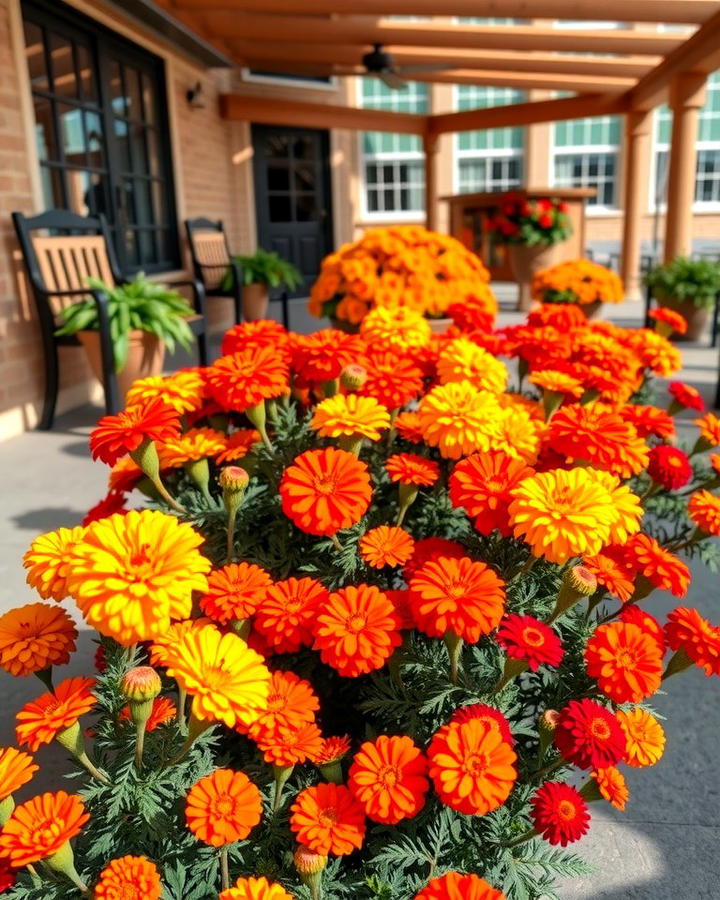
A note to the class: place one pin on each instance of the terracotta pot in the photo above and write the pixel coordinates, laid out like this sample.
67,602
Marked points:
695,316
146,354
525,262
440,326
256,299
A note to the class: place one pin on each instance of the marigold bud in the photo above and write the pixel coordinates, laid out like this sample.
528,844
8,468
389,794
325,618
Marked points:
353,377
582,580
307,862
233,479
141,684
549,720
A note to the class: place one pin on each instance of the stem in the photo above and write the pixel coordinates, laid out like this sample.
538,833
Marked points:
224,868
84,760
546,770
34,874
232,515
527,566
527,836
45,675
139,744
336,542
195,728
180,713
454,645
165,494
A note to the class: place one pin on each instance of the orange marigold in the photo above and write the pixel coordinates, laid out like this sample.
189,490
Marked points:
251,335
612,572
42,720
482,483
557,383
235,591
645,737
704,510
688,631
472,767
461,596
323,355
612,786
625,660
388,777
286,747
357,630
290,703
454,886
191,445
668,320
129,878
16,769
409,428
255,889
183,390
661,567
40,827
386,545
35,637
392,379
409,468
116,436
244,379
328,819
397,329
345,415
324,491
709,426
287,612
223,807
47,561
238,445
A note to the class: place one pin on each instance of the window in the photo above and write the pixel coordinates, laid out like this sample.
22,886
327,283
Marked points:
393,165
585,154
101,132
491,159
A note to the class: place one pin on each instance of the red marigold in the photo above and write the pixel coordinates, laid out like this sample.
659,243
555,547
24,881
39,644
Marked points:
392,379
625,661
328,819
324,491
560,813
661,568
487,714
7,875
409,468
481,484
334,748
686,396
648,420
116,436
113,502
246,378
529,639
704,510
286,614
357,630
669,467
253,335
386,545
461,596
588,735
388,777
430,550
454,886
42,720
687,630
669,317
235,592
472,767
129,878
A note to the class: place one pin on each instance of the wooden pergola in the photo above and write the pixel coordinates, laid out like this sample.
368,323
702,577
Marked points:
626,71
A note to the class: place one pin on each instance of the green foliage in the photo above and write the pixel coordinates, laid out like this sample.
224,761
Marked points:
697,280
265,267
138,305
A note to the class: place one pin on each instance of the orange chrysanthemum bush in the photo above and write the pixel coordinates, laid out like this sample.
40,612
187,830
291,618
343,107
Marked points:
578,281
379,619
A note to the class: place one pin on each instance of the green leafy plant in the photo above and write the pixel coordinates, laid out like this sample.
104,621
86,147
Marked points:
695,280
265,267
137,305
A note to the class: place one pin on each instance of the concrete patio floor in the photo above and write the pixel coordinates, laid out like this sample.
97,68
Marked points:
663,847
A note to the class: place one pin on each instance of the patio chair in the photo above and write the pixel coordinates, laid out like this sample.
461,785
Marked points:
211,259
60,251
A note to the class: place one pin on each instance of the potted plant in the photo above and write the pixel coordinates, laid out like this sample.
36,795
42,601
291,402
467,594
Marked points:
579,281
263,270
531,228
687,286
145,318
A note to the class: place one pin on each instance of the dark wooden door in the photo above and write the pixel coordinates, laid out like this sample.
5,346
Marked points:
292,194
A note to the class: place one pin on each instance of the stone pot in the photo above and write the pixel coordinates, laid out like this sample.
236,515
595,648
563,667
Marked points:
146,354
695,316
255,299
526,261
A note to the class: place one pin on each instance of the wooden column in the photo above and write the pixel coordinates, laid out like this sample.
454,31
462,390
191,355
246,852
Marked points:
431,145
637,133
687,96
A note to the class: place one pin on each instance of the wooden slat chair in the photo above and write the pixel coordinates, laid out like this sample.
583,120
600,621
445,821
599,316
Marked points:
60,251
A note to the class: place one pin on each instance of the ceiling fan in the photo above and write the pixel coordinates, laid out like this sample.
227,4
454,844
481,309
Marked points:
380,63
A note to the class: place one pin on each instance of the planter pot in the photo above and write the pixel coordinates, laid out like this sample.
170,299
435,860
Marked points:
591,309
695,316
525,262
146,354
440,326
256,299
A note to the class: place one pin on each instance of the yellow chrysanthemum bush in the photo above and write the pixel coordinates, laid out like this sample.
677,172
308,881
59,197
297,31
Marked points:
403,266
373,624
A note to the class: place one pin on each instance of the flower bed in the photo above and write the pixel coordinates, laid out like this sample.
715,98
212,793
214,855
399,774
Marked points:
382,618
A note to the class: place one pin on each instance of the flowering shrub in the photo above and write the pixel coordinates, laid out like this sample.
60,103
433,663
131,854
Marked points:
577,281
401,266
381,611
530,221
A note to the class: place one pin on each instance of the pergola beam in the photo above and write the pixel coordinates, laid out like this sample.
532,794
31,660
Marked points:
526,80
672,11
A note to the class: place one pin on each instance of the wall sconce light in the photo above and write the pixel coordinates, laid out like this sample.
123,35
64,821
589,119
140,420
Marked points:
196,96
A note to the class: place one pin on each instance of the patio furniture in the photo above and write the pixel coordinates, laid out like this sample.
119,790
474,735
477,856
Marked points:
61,250
211,259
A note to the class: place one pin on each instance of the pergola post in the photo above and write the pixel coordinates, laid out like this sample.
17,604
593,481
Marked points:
637,133
687,96
431,145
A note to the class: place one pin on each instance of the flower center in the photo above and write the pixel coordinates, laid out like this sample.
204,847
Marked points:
600,729
327,817
47,832
127,892
532,637
626,659
223,806
566,810
356,622
476,763
325,486
389,776
214,677
141,559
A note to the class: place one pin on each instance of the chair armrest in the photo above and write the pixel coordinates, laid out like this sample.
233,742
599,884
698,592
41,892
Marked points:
74,292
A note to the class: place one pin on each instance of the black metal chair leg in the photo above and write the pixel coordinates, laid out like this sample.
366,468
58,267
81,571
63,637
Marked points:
285,309
52,384
202,349
237,303
715,322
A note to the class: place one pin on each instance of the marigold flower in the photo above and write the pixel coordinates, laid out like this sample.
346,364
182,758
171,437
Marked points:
612,786
625,661
407,425
35,637
129,878
324,491
235,591
588,735
41,721
251,335
47,561
462,360
386,545
290,704
357,630
704,510
686,396
334,748
430,550
458,419
669,467
238,445
471,766
7,875
227,680
286,747
388,777
530,640
395,329
191,445
255,889
323,355
709,426
633,615
116,436
163,711
669,317
661,568
409,468
392,379
248,377
124,476
649,420
645,737
481,484
111,504
328,819
16,769
687,630
454,886
556,382
40,827
345,415
560,813
131,575
223,807
286,613
492,717
612,572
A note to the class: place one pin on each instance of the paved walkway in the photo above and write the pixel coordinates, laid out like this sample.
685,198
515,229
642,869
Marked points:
665,845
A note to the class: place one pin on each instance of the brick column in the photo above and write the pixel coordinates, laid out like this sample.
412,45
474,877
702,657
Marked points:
637,133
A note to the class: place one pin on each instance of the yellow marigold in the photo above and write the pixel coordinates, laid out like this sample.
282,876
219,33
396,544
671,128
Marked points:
182,390
132,574
255,889
557,383
645,736
398,328
345,415
191,445
462,360
47,561
458,419
518,433
35,637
